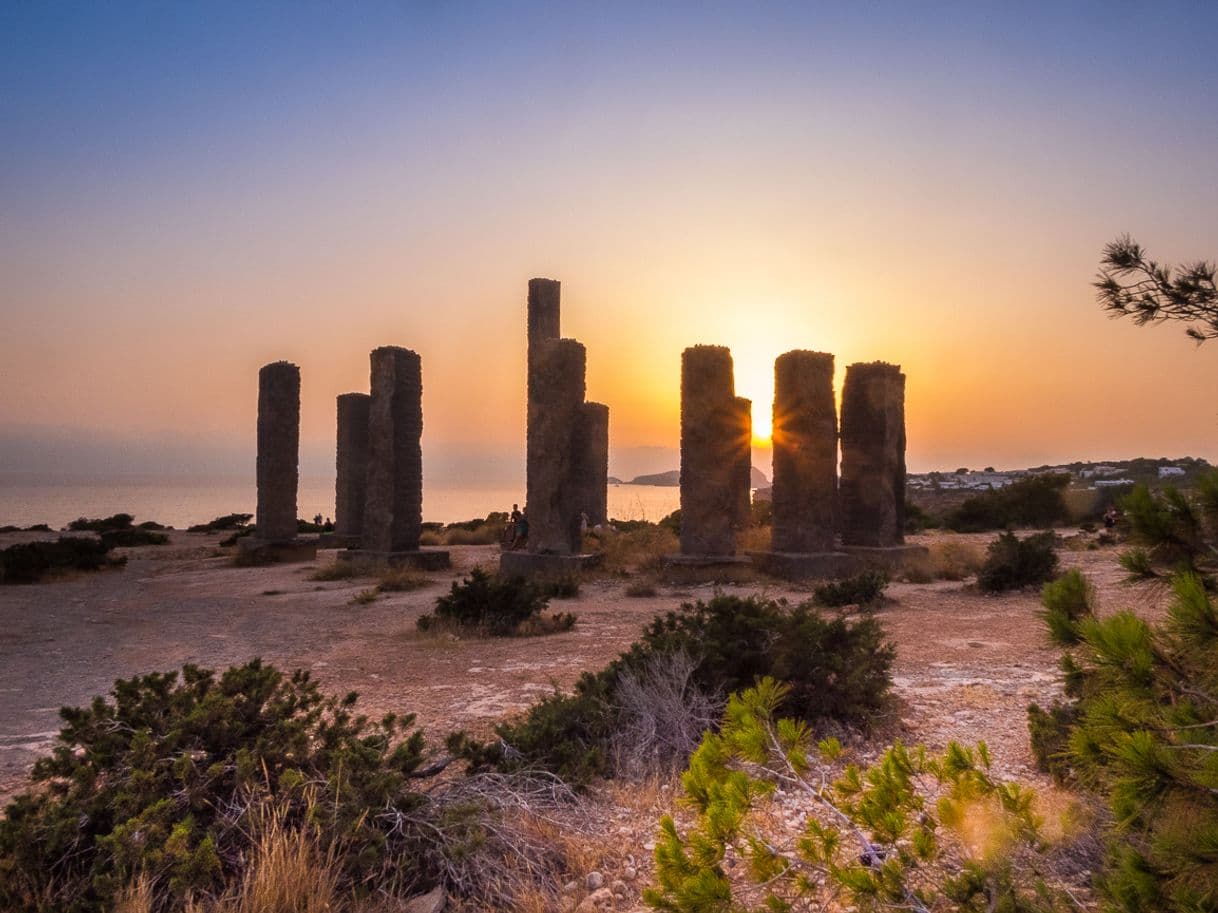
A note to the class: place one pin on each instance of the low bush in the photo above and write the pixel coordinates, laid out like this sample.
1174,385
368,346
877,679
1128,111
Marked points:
164,779
30,562
253,792
117,521
226,523
131,537
641,589
836,669
862,590
1012,563
1036,501
363,597
489,605
917,519
1049,733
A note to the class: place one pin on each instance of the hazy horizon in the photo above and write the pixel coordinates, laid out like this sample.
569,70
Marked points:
193,191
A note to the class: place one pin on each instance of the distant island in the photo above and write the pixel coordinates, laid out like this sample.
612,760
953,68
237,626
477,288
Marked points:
672,479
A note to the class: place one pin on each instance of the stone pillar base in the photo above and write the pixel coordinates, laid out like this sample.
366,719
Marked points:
430,559
805,565
253,550
530,565
335,540
691,570
886,558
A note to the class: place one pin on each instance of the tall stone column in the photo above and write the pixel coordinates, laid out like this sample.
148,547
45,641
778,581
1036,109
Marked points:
278,451
742,451
591,443
710,464
555,410
805,453
872,491
544,321
351,465
393,508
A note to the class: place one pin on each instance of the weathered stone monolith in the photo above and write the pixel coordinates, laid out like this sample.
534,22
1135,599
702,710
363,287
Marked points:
393,508
742,450
591,444
555,410
710,463
278,451
872,489
805,453
351,467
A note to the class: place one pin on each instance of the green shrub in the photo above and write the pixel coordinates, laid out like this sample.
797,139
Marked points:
835,669
117,521
222,524
163,779
1067,601
862,590
29,562
917,519
487,603
1011,562
1168,524
1139,565
1035,501
128,538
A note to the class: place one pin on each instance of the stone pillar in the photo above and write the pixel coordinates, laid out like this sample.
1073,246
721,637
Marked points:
351,465
543,324
278,451
710,464
591,444
805,453
393,509
872,491
555,411
742,451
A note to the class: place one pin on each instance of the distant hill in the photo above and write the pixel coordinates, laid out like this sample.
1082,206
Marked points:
672,479
614,480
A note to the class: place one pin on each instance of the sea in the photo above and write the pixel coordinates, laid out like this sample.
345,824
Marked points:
28,498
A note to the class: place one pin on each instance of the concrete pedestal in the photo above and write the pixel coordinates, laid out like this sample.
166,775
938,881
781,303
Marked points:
531,566
424,559
805,565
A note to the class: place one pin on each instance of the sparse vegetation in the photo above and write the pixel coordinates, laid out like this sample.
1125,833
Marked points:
641,549
1012,563
363,597
946,559
336,570
400,580
836,669
253,792
1035,502
863,590
641,589
227,523
561,587
912,831
30,562
499,608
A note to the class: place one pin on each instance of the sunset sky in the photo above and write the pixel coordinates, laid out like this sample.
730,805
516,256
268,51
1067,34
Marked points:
191,190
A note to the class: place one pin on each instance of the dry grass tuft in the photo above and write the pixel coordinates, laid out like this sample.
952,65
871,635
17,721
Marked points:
363,597
754,539
137,897
336,570
289,873
950,559
638,550
401,580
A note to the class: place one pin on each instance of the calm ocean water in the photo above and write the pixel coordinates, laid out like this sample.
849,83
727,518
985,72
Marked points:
29,498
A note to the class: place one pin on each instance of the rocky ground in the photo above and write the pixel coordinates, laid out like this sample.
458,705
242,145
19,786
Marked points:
967,664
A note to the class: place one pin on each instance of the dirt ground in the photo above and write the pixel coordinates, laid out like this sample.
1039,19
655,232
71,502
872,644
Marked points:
967,664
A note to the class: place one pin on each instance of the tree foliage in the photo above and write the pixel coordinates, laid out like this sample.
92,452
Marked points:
1131,284
1142,731
912,831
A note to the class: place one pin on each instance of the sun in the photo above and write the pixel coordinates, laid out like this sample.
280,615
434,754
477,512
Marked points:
762,426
